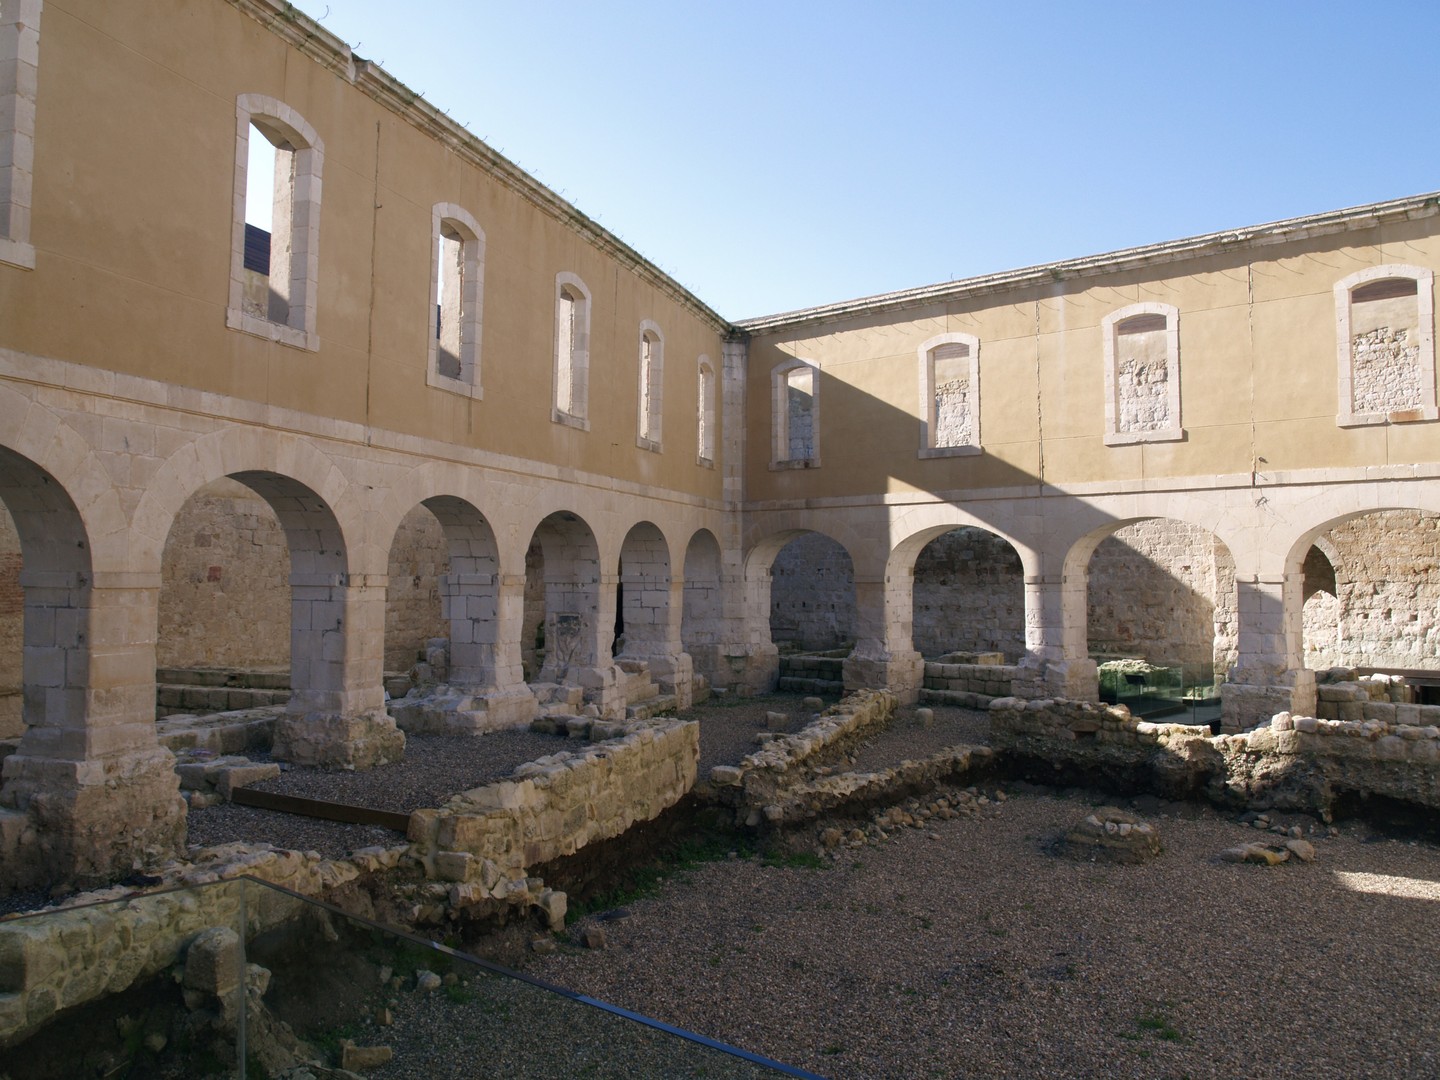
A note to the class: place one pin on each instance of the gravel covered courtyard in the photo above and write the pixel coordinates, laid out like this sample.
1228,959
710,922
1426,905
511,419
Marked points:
967,948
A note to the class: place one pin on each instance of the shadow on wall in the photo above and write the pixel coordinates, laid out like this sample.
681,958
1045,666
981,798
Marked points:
1372,592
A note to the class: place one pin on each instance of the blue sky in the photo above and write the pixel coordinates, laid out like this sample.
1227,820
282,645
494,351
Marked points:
778,155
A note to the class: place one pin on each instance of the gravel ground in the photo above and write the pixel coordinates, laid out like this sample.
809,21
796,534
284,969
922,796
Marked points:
968,949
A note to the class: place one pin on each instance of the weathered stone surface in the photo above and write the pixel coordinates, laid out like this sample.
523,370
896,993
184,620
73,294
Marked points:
1109,834
363,1057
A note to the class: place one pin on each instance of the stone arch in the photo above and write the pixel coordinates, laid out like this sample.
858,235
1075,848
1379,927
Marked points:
56,579
34,433
96,792
1155,567
965,587
469,590
231,452
816,601
578,624
644,591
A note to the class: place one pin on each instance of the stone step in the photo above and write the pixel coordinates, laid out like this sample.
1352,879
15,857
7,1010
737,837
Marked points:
172,698
963,698
662,705
794,685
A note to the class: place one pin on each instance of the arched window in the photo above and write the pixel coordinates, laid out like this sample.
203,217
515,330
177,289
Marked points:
1386,345
572,351
950,396
795,415
273,271
1142,374
705,413
457,284
19,64
652,369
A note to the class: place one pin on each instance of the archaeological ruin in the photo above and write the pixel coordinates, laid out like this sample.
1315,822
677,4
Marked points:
438,455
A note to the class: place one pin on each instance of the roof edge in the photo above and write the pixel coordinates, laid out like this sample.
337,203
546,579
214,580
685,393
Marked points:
1254,236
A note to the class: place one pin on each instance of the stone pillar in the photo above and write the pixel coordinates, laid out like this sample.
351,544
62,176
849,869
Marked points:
654,604
1269,675
659,644
91,794
485,689
1056,662
579,631
883,657
747,661
336,715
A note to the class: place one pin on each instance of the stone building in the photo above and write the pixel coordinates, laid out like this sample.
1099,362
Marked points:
438,401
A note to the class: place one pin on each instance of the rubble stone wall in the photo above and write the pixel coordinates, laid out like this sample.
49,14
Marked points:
969,596
1294,763
812,594
57,960
772,775
1387,582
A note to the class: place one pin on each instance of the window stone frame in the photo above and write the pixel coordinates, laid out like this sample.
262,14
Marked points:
19,81
1424,279
650,411
578,399
1109,328
780,415
705,391
925,354
472,300
309,150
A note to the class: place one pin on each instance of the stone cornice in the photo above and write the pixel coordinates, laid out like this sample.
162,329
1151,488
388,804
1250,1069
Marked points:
327,50
1255,236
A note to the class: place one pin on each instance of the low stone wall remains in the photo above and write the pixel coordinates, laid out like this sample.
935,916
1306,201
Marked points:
1296,763
482,841
57,960
790,780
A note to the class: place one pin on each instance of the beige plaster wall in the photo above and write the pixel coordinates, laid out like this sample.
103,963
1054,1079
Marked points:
1258,375
137,126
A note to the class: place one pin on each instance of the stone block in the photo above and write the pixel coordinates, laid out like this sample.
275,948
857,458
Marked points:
213,962
453,865
228,779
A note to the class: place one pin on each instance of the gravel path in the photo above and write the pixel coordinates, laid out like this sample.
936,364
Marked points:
968,949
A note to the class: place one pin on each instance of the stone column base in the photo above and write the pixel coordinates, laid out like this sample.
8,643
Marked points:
601,687
1074,680
455,710
87,822
902,673
1244,706
338,742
